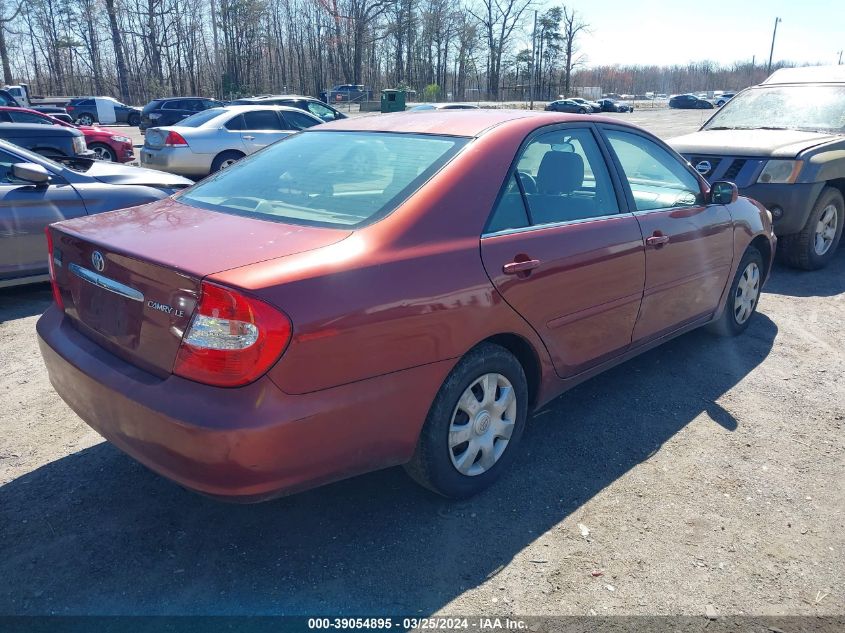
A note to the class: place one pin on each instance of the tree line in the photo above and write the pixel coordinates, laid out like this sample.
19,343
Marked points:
137,50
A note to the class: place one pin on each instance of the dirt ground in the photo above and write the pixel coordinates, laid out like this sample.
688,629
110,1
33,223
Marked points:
705,474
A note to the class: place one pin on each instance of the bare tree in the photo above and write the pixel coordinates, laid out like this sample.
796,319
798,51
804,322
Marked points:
573,26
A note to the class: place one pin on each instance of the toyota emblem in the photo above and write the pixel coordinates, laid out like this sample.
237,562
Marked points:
98,261
703,167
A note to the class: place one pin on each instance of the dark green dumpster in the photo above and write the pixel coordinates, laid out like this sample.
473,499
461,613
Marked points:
392,100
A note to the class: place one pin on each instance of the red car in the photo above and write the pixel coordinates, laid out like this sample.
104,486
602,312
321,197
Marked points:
389,290
105,144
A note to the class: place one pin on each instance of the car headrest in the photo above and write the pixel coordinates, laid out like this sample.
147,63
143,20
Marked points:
560,172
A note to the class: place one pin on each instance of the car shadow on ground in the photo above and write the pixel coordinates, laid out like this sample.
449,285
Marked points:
95,532
18,302
809,283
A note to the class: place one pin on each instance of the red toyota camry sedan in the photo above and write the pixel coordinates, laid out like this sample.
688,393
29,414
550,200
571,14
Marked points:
400,289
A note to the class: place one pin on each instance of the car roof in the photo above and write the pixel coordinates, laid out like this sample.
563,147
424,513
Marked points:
807,75
241,107
445,122
36,129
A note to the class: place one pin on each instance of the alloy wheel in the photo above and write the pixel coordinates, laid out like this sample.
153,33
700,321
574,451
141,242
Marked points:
747,293
482,424
103,153
825,230
228,163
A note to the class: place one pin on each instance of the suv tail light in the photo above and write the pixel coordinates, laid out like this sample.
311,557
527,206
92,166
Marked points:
70,108
174,139
52,258
232,339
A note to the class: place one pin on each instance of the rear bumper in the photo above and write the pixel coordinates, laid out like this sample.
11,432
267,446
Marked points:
176,160
796,200
245,444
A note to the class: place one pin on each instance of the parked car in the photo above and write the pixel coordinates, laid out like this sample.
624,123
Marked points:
592,105
296,319
443,106
783,143
171,110
49,191
347,92
105,144
690,102
217,138
309,104
90,110
568,105
723,98
52,141
611,105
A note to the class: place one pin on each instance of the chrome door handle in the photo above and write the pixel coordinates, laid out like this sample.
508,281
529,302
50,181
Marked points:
248,137
514,268
657,240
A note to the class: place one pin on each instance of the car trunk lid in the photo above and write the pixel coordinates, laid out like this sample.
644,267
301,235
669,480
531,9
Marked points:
130,280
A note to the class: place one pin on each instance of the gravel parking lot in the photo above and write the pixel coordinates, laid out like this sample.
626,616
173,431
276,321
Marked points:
705,474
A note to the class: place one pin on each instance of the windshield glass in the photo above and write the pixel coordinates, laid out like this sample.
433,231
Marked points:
811,108
333,179
195,120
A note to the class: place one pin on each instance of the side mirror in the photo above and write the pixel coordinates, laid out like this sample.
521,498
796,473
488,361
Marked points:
723,192
31,172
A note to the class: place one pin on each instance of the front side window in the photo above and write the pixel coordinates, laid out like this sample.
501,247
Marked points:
658,180
565,178
333,179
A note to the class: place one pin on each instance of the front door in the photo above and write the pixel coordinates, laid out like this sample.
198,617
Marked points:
689,243
562,254
24,212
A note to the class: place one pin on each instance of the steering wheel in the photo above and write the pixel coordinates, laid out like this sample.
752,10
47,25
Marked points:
529,183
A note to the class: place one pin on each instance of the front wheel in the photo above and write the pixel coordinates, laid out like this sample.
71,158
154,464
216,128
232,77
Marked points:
103,152
814,246
472,429
743,296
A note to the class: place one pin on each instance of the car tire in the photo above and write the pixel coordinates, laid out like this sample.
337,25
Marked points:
103,152
86,119
466,406
134,120
582,110
815,245
225,159
743,296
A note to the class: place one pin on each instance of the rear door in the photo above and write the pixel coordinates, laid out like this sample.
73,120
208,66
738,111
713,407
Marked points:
261,128
689,244
24,212
563,251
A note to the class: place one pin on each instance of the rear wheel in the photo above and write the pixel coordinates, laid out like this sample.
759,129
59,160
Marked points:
103,152
225,160
743,296
474,424
85,119
814,246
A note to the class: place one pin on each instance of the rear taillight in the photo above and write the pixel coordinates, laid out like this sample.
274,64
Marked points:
174,139
70,108
232,339
51,262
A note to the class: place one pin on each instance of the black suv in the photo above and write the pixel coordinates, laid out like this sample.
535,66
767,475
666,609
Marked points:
169,111
308,104
52,141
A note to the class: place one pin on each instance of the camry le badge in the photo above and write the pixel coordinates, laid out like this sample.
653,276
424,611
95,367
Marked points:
98,261
703,167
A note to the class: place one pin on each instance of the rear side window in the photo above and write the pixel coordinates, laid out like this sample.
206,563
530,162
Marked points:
262,120
333,179
510,212
235,123
658,180
85,103
174,105
26,117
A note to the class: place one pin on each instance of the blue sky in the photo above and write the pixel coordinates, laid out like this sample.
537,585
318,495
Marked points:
678,31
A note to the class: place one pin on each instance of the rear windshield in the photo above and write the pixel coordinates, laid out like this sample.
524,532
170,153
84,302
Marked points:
195,120
332,179
812,108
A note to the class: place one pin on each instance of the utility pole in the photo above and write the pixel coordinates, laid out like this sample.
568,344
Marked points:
772,50
533,63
